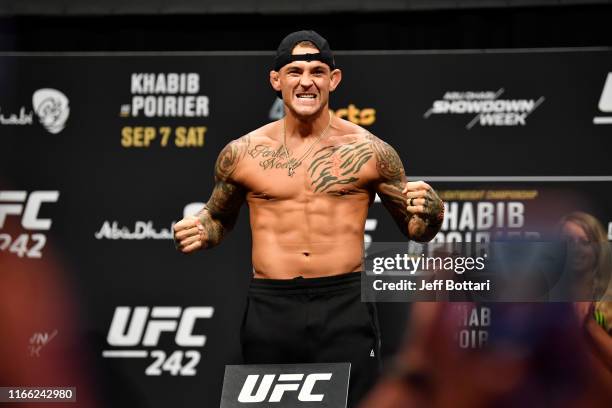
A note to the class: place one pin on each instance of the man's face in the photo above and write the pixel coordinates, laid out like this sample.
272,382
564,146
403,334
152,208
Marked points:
305,85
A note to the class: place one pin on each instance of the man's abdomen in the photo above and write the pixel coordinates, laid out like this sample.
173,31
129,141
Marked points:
287,261
315,239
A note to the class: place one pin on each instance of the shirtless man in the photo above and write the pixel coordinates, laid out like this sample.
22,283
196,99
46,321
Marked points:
308,180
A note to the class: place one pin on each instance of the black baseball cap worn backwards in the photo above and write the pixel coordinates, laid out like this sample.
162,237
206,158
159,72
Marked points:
284,56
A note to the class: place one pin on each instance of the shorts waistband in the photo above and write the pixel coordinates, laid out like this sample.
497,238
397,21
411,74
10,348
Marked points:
303,285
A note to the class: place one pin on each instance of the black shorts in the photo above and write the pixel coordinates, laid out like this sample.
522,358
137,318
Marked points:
314,320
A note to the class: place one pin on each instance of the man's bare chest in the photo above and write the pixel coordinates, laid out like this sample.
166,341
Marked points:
340,169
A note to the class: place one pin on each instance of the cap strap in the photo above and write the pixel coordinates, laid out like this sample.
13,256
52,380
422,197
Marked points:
283,60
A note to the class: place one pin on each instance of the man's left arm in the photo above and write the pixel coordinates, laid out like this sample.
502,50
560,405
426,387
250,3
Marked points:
415,206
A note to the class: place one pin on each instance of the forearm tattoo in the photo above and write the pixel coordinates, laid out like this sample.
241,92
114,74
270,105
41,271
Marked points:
434,208
393,180
221,211
213,230
390,189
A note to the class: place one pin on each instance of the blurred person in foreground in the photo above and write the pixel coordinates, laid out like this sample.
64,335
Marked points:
41,343
535,356
590,259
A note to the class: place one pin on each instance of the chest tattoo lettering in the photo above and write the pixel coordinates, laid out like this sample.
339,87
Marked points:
270,158
331,166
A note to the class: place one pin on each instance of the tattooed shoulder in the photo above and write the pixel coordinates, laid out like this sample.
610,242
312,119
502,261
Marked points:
388,162
230,157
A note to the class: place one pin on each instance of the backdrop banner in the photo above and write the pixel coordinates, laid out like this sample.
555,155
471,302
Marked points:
101,153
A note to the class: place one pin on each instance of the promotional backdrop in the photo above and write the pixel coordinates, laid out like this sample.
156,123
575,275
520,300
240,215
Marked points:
101,153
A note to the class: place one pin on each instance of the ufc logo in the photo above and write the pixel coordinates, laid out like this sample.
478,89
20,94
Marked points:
162,319
11,203
285,382
605,102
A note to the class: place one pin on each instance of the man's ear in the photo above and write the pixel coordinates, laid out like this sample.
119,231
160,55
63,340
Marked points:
336,77
275,80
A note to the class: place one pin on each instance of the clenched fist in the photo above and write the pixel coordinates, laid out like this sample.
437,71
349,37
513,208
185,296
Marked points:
422,200
426,207
189,234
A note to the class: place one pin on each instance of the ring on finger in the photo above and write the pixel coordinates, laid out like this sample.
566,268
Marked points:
410,202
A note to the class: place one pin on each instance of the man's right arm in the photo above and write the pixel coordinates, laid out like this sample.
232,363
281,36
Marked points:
210,225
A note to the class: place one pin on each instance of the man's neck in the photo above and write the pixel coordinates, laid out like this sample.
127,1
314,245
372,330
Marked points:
305,127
